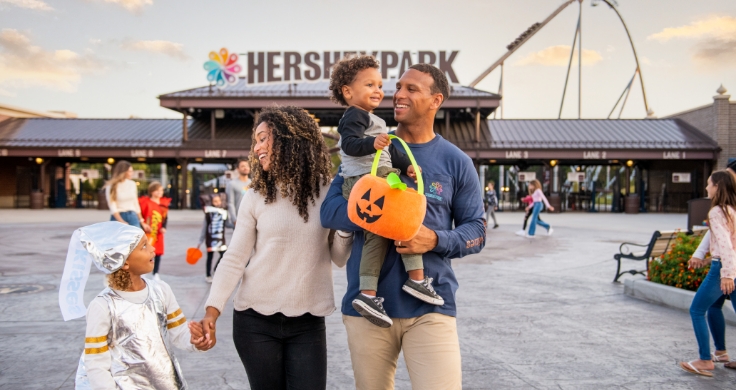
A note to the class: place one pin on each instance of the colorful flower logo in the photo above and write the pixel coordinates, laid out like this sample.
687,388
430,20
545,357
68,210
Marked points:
222,68
436,188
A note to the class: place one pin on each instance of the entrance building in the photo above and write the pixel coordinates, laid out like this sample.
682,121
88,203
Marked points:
663,161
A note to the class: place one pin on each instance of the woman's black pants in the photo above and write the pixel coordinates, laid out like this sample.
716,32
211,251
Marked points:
281,352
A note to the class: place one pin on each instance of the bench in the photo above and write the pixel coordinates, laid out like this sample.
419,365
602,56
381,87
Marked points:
658,245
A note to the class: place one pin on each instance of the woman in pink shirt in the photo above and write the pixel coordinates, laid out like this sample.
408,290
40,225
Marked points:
719,283
535,188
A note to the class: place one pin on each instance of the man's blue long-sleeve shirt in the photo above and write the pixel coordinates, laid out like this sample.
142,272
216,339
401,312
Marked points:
454,198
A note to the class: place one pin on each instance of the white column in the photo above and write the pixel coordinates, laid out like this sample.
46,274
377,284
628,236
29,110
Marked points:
482,174
164,176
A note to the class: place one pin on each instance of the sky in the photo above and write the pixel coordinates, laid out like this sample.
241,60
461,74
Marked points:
112,58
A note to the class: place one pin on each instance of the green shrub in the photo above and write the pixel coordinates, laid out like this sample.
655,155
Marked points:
671,268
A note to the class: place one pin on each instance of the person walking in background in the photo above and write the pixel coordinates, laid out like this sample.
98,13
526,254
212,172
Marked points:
122,197
527,200
236,188
535,189
213,233
155,211
491,204
719,283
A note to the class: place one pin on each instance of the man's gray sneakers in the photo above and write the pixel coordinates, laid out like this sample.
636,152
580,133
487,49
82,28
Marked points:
423,291
372,309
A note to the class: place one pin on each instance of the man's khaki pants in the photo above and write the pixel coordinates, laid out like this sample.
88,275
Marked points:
430,345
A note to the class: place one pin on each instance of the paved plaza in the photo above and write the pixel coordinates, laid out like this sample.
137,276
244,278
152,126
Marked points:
532,314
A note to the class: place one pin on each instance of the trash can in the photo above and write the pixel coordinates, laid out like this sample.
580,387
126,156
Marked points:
36,200
632,204
101,200
697,212
555,201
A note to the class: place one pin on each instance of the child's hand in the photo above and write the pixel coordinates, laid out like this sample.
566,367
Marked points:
412,173
382,141
163,230
197,336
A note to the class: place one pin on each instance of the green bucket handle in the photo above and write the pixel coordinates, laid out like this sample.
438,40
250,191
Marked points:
393,179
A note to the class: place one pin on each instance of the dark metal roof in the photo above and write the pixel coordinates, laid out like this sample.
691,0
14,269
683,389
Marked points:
659,134
85,133
316,89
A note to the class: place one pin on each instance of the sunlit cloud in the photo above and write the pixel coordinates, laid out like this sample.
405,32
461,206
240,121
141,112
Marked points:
171,49
36,5
720,27
559,56
134,6
716,35
24,65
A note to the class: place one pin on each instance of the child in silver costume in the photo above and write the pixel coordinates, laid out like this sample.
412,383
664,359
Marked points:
133,324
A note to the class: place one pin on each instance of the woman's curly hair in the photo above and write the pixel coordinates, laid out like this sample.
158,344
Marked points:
120,280
300,164
344,73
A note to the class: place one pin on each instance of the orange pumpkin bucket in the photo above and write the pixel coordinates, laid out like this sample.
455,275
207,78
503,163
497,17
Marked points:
193,255
386,207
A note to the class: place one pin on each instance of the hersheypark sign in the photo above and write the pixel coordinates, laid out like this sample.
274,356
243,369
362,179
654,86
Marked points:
281,66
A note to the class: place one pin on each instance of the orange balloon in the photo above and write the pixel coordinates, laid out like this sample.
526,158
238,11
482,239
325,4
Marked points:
391,213
193,255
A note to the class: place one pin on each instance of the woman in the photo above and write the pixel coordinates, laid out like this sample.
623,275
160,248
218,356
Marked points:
155,211
535,189
122,197
286,289
719,282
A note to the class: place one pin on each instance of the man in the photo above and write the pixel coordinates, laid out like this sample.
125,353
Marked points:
427,334
236,188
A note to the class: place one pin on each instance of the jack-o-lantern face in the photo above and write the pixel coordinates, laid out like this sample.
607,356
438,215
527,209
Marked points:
369,211
392,213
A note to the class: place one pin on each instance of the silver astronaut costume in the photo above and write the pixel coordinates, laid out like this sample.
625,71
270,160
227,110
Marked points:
138,344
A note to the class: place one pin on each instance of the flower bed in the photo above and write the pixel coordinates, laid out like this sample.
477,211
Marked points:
671,268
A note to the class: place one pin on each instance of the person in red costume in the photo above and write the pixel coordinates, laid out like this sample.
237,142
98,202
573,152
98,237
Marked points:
155,210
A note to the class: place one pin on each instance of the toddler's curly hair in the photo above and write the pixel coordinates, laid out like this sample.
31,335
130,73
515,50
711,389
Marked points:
120,280
344,73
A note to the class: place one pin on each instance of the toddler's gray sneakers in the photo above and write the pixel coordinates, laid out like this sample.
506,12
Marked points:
423,291
372,309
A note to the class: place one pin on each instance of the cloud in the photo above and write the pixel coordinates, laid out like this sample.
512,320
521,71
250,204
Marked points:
6,93
716,51
559,56
24,65
716,35
171,49
134,6
718,27
36,5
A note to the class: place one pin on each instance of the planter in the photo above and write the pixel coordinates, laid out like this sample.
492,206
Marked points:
669,296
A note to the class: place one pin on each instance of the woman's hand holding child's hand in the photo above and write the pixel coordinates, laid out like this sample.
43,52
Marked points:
197,336
382,141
